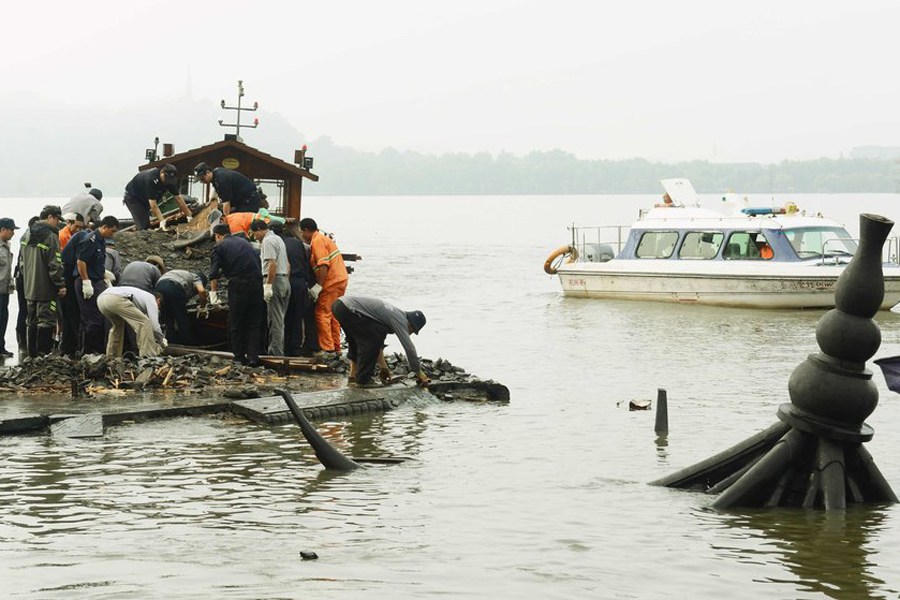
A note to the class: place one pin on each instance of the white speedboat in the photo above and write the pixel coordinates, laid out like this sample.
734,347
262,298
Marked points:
680,252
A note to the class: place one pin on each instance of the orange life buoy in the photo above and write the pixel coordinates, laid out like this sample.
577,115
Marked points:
568,251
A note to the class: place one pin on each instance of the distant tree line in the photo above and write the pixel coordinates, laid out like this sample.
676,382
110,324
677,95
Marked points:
346,171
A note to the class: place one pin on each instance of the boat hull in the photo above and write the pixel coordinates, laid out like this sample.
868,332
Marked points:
808,287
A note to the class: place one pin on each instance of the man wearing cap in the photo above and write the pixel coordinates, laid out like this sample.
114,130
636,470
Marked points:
233,257
146,189
74,224
42,273
331,283
143,274
7,283
87,205
276,287
90,264
237,191
366,323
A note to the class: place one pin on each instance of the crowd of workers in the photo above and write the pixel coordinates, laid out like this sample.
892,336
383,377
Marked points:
286,283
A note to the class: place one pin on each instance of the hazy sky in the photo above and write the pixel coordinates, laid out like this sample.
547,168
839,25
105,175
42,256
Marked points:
760,81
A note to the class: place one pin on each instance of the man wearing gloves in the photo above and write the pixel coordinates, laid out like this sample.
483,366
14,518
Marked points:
234,258
366,323
133,306
276,287
89,282
174,290
42,273
331,283
144,191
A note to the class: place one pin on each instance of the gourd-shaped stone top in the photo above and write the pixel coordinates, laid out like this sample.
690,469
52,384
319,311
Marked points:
859,290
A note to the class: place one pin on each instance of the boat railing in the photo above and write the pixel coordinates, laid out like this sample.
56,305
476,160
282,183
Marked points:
890,252
599,243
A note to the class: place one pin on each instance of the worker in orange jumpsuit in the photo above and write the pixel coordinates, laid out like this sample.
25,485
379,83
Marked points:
331,283
239,222
74,224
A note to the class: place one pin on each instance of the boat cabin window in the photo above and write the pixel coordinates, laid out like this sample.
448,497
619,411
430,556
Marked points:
657,244
748,245
812,242
701,245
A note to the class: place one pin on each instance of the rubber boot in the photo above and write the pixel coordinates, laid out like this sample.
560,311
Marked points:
44,340
31,334
22,344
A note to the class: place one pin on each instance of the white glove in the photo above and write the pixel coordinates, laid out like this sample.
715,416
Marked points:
314,292
190,218
164,343
87,289
267,291
162,224
109,277
213,298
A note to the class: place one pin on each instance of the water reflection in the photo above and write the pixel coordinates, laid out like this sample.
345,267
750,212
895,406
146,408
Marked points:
828,552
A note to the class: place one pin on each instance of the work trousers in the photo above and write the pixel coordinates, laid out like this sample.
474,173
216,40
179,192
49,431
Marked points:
365,340
276,309
328,327
93,323
173,312
293,316
69,344
41,323
21,318
4,320
140,212
120,310
245,317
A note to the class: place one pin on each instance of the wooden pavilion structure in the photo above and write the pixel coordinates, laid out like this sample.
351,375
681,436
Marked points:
260,167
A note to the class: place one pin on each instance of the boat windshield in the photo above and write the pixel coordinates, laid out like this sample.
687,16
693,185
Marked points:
812,242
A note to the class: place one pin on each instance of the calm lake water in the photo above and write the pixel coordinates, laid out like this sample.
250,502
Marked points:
546,497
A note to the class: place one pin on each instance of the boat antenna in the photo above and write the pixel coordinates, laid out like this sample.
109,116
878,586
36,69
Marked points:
237,126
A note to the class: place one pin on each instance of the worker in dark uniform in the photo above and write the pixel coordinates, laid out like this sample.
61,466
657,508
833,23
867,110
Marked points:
233,257
91,267
70,340
366,323
174,289
299,303
236,191
145,190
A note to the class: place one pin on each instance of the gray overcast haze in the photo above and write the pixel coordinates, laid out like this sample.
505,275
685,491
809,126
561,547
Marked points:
722,81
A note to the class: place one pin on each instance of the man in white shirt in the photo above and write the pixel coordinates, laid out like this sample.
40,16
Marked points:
132,306
276,286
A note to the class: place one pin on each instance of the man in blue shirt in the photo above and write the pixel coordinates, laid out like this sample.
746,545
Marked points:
91,267
233,257
69,341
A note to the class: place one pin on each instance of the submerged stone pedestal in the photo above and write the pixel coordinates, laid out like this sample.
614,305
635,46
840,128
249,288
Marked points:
814,456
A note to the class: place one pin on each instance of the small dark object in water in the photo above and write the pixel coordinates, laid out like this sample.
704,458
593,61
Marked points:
306,555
